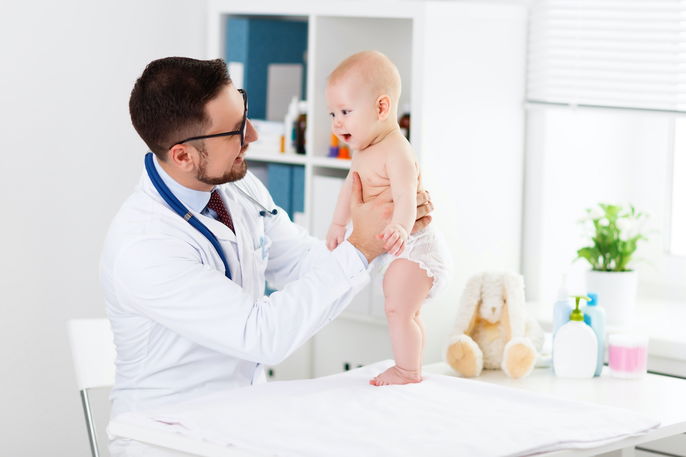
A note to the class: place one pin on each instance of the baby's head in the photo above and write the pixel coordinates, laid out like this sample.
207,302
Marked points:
362,95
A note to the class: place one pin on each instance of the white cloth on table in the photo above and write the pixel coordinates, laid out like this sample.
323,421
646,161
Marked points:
342,415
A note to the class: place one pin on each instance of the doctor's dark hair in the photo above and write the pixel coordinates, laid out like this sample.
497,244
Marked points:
168,101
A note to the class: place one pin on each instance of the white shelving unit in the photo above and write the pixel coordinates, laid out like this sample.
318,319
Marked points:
462,65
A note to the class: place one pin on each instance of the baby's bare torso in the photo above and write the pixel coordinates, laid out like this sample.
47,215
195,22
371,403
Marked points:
371,163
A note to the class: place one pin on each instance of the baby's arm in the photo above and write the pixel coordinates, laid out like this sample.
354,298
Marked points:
341,215
403,175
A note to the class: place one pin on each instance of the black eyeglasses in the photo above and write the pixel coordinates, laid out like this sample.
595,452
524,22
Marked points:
240,132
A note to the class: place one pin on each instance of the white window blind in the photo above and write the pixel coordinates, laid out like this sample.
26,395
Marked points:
608,53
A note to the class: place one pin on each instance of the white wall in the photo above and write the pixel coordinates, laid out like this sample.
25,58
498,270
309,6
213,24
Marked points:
471,145
69,158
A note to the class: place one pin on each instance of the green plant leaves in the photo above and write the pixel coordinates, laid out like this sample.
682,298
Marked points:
616,233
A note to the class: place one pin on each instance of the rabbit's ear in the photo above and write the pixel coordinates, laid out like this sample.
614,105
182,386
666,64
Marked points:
469,305
513,304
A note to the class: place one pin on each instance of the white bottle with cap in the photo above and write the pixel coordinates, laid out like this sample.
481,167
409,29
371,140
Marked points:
575,347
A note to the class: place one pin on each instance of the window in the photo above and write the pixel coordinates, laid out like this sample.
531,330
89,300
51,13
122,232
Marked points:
607,105
678,225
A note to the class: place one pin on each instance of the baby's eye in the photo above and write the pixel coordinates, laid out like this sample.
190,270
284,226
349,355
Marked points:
345,112
331,114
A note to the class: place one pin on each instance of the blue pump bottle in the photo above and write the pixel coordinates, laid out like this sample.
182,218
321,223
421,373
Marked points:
594,316
562,307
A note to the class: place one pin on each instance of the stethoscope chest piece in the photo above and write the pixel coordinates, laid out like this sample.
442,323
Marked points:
264,212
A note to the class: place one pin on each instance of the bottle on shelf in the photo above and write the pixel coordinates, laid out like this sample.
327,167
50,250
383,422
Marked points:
289,126
301,127
404,120
333,146
594,315
344,151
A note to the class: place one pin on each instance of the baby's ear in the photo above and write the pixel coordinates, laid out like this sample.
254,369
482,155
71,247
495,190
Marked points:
383,107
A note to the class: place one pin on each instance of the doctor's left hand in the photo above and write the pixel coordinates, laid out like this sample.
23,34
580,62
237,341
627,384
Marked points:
424,208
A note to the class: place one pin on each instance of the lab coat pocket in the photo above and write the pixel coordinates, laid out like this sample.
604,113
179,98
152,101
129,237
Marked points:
261,252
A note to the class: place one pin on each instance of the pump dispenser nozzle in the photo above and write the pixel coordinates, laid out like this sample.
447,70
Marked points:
577,314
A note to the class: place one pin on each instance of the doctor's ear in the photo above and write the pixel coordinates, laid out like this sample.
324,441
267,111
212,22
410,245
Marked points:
183,156
383,107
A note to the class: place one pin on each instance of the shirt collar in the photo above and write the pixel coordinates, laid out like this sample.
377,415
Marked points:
195,200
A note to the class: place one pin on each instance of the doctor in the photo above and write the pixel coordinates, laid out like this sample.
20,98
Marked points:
186,258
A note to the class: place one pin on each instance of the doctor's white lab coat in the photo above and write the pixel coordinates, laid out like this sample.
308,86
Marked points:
181,327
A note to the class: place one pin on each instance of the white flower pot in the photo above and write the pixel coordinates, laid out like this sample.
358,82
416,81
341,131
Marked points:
616,292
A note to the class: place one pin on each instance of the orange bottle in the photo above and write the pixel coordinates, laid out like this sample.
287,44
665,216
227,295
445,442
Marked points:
344,151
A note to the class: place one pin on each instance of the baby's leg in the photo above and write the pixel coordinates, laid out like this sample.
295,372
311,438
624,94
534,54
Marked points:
405,286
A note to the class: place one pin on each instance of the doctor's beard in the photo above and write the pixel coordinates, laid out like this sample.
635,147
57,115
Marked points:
237,171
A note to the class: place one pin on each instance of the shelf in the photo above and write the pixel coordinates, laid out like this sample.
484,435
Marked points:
452,135
330,162
297,159
276,157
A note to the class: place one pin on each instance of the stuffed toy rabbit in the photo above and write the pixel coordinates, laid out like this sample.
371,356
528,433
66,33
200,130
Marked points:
493,328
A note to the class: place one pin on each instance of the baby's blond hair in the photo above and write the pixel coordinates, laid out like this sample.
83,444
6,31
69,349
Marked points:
375,69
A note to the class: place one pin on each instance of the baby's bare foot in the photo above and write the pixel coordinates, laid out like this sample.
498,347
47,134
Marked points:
396,375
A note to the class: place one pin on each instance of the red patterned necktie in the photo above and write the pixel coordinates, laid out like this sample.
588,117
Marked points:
217,205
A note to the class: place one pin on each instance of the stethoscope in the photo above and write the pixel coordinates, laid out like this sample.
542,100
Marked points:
182,211
264,212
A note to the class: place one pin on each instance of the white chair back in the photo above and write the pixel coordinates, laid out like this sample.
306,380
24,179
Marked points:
93,351
94,354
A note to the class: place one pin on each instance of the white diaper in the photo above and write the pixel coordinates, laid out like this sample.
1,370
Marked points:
429,250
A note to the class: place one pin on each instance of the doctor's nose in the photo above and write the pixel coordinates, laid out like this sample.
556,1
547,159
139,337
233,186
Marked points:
250,132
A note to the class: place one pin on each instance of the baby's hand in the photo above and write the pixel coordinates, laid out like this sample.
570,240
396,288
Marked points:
335,236
395,237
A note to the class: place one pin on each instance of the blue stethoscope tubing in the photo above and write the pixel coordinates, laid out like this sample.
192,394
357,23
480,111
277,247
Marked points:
182,211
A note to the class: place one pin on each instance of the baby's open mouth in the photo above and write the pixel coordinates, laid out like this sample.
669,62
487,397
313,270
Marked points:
346,137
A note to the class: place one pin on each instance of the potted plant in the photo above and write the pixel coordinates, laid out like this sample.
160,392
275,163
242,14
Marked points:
615,232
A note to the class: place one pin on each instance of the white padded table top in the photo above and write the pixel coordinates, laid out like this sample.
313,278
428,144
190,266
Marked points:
342,415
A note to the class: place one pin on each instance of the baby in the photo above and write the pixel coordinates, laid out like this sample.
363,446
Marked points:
362,96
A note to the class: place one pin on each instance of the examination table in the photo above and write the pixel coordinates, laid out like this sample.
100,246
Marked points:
492,415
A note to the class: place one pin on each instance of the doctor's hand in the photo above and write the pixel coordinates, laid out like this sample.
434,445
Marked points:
424,208
369,219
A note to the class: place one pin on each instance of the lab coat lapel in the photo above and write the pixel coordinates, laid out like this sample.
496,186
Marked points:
224,234
221,231
229,243
244,235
